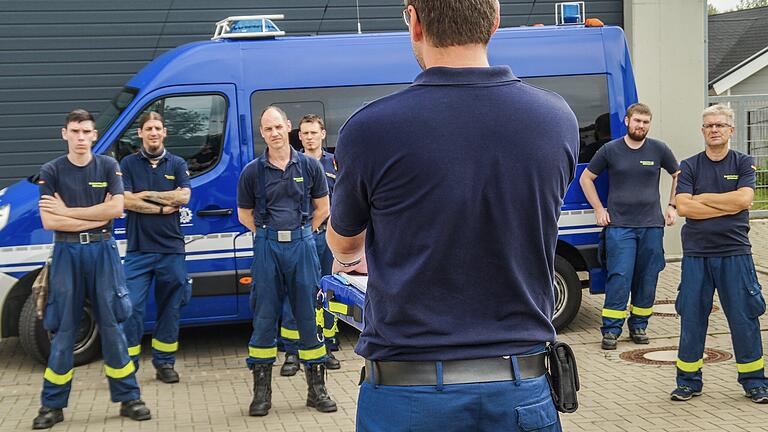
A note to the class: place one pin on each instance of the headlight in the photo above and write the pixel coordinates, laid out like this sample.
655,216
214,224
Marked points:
5,213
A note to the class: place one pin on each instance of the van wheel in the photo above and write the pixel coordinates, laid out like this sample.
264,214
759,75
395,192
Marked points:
567,293
36,341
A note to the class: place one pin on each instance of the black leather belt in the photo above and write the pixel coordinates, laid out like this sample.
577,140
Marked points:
82,238
424,373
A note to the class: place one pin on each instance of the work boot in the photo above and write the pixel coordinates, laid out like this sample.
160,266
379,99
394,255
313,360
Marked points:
638,336
135,410
166,374
262,390
47,417
684,393
609,341
758,395
317,394
290,366
332,362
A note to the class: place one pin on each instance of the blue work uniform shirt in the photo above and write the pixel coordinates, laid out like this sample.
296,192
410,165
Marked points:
633,196
154,233
458,180
84,186
724,235
329,167
284,189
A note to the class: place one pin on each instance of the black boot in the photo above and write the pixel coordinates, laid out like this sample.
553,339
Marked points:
332,363
47,417
290,366
166,374
317,395
135,410
262,390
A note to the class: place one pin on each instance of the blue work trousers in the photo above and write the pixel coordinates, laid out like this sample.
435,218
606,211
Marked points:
168,271
280,270
522,405
635,256
742,300
91,272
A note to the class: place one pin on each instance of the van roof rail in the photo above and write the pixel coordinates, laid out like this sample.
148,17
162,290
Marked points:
248,27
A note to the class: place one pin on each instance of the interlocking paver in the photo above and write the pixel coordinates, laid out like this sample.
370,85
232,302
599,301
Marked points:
216,387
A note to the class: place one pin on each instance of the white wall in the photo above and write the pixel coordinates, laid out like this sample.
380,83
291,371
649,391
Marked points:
755,84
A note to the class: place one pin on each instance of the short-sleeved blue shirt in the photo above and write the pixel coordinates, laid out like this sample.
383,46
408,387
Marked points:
284,190
329,166
633,197
154,233
458,180
84,186
724,235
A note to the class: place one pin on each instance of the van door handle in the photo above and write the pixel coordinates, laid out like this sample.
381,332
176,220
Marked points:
216,212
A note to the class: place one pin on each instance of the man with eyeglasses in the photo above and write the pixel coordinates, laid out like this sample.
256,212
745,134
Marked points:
714,192
459,296
634,226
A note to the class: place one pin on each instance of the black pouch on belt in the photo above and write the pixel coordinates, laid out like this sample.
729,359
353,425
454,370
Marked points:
563,377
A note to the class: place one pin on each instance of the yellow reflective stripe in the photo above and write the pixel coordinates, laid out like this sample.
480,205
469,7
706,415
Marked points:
313,354
134,350
641,311
690,367
121,372
751,366
262,353
338,307
58,379
165,347
320,317
289,334
611,313
331,332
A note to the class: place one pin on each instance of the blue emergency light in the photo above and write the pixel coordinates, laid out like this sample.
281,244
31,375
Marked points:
569,13
248,27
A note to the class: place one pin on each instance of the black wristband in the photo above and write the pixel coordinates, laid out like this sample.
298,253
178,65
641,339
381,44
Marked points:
349,264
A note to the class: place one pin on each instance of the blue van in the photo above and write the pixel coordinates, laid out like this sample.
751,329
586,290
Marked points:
211,94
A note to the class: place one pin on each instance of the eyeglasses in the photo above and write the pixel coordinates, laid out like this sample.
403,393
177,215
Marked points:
407,18
716,126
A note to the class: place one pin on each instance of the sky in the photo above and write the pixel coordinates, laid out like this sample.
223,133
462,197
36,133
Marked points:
723,5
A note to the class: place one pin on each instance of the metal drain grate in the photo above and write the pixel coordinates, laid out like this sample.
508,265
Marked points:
668,355
666,308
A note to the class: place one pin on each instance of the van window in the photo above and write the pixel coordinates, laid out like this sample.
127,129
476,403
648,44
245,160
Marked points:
195,125
587,95
334,104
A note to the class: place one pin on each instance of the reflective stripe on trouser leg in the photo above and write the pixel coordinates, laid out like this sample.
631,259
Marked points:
742,301
620,247
694,304
649,261
289,333
170,284
265,302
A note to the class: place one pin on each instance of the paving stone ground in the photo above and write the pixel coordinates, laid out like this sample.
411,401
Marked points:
215,390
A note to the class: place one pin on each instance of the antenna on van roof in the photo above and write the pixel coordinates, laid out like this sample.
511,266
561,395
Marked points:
248,27
357,6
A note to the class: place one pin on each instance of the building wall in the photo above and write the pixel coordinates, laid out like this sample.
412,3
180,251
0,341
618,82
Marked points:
667,42
755,84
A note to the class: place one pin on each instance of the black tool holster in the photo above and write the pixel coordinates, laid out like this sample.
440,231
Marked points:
563,377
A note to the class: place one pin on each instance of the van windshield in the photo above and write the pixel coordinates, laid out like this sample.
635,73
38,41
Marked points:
115,108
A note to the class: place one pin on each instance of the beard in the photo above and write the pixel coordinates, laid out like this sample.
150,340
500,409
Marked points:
637,136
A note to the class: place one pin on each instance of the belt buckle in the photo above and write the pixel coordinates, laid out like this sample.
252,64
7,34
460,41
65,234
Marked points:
85,238
283,236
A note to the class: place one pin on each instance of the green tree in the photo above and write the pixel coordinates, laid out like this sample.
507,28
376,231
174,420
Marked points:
712,10
750,4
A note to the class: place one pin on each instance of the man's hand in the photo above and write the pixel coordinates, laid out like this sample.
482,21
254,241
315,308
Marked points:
602,218
53,204
671,216
361,268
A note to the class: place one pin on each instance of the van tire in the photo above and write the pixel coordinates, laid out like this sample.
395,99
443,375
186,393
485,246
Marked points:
567,293
36,341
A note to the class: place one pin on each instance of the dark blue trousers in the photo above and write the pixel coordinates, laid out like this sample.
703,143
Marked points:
280,270
635,257
742,300
172,291
93,272
523,405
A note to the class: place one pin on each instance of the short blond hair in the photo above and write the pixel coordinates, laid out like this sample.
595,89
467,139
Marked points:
719,109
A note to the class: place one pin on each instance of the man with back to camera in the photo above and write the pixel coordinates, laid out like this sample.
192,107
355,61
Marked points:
156,185
634,233
312,133
273,201
714,192
80,194
459,306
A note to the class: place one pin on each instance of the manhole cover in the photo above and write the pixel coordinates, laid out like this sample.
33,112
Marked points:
668,355
666,308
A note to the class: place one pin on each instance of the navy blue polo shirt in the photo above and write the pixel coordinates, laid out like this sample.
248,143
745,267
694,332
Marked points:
633,197
284,190
84,186
458,180
724,235
154,233
329,167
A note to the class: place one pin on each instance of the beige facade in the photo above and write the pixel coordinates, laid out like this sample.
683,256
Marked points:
667,44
